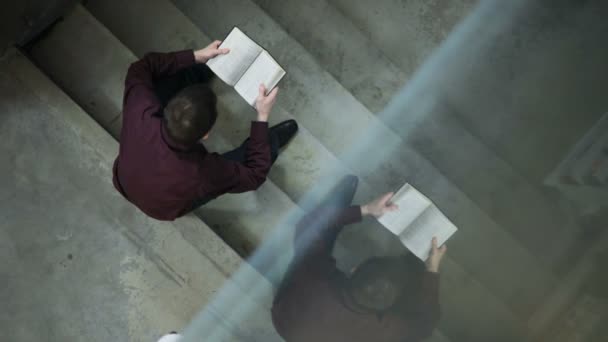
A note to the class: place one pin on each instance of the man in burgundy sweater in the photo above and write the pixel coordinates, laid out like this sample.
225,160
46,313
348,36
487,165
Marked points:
385,299
162,166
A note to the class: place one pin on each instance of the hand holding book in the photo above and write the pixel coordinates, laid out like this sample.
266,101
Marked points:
264,103
204,55
379,206
435,256
417,221
246,66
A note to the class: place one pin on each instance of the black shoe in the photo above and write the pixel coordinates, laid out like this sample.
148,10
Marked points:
284,131
341,196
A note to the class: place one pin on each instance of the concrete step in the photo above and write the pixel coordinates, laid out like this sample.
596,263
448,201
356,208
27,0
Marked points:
86,265
306,160
498,200
66,55
353,59
586,159
453,273
244,220
525,95
550,317
516,108
341,48
407,32
497,188
305,76
455,269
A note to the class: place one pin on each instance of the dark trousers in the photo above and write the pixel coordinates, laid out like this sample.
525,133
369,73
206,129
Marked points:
168,87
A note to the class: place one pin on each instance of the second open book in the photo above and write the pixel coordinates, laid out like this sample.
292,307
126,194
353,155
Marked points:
246,66
417,221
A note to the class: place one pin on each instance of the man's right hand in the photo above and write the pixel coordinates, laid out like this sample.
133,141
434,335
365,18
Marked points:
432,263
264,103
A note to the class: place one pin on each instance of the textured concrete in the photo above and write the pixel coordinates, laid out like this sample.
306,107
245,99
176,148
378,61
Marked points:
84,57
458,284
507,76
340,48
407,31
103,84
80,263
489,87
306,160
396,164
131,37
542,77
428,123
474,288
329,90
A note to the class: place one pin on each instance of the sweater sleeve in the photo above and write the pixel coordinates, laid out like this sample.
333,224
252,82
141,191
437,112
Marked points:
317,232
235,176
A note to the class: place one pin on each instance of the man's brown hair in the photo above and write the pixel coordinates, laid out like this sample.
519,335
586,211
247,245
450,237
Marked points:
379,282
191,114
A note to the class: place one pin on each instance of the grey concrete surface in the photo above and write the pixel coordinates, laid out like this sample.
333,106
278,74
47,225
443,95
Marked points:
84,57
498,307
359,63
66,55
310,88
542,78
435,154
455,274
491,81
340,48
407,31
511,74
79,262
306,160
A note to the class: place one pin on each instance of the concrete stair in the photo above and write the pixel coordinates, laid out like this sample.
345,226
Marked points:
312,81
481,301
470,56
407,32
106,271
361,61
587,162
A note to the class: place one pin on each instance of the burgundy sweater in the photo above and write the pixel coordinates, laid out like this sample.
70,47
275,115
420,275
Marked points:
162,177
310,306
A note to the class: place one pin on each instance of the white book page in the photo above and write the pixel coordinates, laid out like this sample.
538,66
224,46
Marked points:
411,204
264,70
431,223
231,66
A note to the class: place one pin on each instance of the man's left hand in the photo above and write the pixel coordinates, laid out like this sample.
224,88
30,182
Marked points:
379,206
212,50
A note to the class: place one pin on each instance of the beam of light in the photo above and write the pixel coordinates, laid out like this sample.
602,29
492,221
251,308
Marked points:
229,315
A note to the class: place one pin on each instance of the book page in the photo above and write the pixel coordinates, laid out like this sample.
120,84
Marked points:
417,237
411,204
264,70
231,66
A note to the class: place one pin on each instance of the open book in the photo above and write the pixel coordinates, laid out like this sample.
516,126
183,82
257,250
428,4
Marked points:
417,221
246,66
